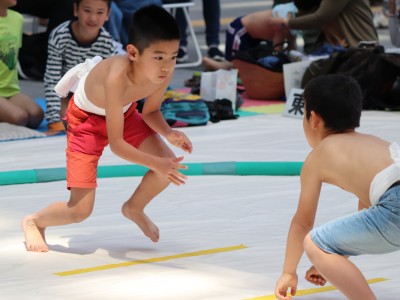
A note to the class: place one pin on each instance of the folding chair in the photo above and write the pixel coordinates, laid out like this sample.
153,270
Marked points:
185,4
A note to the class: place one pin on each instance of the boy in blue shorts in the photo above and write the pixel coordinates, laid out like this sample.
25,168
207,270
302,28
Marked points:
103,111
362,164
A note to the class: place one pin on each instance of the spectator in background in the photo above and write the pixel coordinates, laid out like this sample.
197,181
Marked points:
344,23
71,43
15,107
211,14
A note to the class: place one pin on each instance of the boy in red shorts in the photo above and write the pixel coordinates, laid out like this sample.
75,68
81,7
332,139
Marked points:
114,85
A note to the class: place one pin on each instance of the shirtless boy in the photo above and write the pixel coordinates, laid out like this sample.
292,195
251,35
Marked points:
362,164
102,111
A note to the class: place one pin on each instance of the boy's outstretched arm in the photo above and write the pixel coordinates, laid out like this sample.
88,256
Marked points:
168,167
301,224
154,118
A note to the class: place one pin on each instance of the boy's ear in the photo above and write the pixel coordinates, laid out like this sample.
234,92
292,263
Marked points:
132,51
75,10
315,120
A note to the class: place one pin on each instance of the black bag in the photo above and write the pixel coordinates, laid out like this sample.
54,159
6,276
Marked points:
376,72
221,109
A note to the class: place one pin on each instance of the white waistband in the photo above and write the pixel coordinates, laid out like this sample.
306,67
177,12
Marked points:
74,81
384,179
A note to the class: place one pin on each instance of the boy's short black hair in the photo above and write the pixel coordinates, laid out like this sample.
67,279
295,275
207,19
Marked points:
77,2
337,99
151,24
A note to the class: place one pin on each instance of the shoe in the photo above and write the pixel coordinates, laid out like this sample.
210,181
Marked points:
56,128
182,55
380,20
194,81
215,54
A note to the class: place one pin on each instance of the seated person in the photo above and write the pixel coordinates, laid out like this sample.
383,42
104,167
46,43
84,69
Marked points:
71,43
344,23
15,107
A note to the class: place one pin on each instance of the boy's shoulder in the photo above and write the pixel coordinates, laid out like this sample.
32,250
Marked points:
61,30
332,145
350,144
113,66
105,33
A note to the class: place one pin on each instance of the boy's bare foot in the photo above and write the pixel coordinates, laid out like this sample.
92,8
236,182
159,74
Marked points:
210,64
143,221
34,236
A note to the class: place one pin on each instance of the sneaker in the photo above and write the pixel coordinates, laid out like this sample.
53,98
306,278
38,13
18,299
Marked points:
194,81
182,55
380,20
215,53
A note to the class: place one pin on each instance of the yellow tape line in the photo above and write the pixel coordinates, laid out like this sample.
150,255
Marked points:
151,260
314,290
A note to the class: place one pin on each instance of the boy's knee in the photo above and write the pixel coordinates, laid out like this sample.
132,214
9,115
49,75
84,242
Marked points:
38,113
20,118
80,215
36,118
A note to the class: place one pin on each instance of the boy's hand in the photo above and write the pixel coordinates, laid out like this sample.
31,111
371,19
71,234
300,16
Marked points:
169,168
180,140
285,282
313,276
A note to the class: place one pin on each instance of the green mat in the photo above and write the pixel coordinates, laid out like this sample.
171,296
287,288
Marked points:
194,169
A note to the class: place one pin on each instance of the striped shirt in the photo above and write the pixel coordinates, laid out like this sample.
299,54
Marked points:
65,52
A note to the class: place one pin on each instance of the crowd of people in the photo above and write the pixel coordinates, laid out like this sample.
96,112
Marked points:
77,30
92,94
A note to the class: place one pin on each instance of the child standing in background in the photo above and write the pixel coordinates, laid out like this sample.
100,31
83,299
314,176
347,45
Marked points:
70,44
15,107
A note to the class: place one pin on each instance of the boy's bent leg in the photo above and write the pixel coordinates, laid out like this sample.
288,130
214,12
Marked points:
151,185
340,271
76,210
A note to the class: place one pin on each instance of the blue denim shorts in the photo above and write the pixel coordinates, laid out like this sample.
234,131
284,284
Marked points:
375,230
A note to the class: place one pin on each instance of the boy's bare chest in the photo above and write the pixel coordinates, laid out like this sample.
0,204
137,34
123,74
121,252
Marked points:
135,93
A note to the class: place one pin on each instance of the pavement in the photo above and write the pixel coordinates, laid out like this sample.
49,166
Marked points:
230,9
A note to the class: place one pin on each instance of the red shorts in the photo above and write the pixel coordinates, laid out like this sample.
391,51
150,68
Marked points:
87,137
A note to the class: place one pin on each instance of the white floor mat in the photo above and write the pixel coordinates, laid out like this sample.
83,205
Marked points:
222,237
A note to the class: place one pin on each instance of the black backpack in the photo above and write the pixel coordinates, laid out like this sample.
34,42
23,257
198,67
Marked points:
377,72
